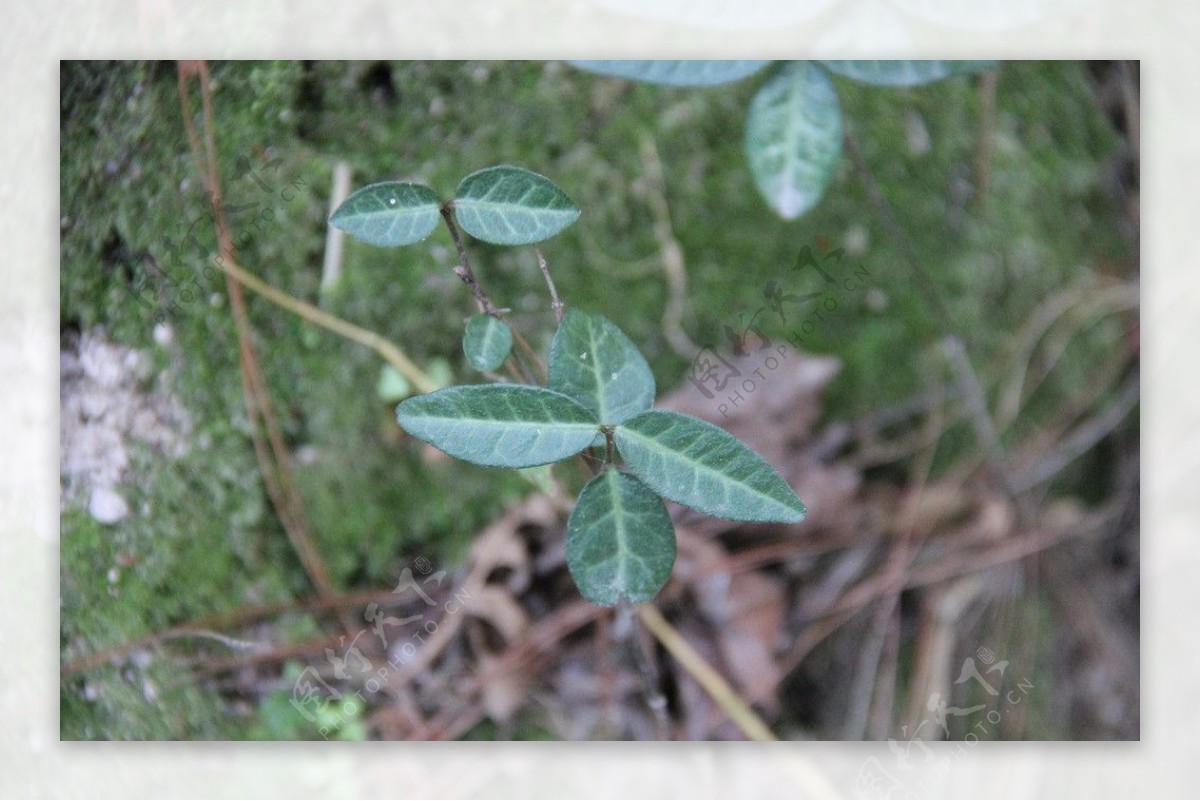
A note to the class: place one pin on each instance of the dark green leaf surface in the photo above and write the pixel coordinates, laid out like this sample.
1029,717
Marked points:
675,73
620,541
486,342
794,137
512,206
595,363
699,465
904,73
388,214
500,425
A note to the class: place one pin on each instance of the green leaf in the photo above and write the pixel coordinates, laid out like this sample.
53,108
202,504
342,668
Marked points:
388,214
904,73
512,206
595,363
500,425
486,342
620,541
794,137
675,73
699,465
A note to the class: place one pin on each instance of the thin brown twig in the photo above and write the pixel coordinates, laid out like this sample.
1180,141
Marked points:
241,616
699,669
671,252
384,347
529,353
1079,308
899,563
463,268
1085,436
643,653
272,455
521,655
464,271
950,566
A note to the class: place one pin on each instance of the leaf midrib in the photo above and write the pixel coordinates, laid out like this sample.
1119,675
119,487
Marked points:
790,133
492,205
492,422
594,364
724,478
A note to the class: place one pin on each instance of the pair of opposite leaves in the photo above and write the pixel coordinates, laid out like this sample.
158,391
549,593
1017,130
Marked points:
504,205
620,541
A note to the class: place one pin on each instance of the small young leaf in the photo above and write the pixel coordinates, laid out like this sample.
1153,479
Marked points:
486,342
904,73
595,363
794,137
388,214
699,465
620,541
675,73
512,206
500,425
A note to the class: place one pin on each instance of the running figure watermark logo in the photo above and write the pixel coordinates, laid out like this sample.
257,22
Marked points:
730,380
328,708
917,769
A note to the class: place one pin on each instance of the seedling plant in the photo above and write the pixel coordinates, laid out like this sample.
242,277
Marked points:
598,399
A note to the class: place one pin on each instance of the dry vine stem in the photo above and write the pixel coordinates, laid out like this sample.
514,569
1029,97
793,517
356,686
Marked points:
274,459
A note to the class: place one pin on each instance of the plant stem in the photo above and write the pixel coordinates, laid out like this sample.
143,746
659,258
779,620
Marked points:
643,656
555,302
392,354
713,683
463,270
671,252
274,458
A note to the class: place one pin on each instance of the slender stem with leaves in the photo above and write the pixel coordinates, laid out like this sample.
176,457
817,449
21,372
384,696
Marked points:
599,396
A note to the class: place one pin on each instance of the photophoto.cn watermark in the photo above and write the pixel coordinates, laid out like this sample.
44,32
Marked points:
916,770
168,285
400,638
728,382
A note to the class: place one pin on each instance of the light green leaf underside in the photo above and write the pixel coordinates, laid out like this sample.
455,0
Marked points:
486,342
620,541
675,73
696,464
512,206
905,73
388,214
500,425
593,361
794,137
